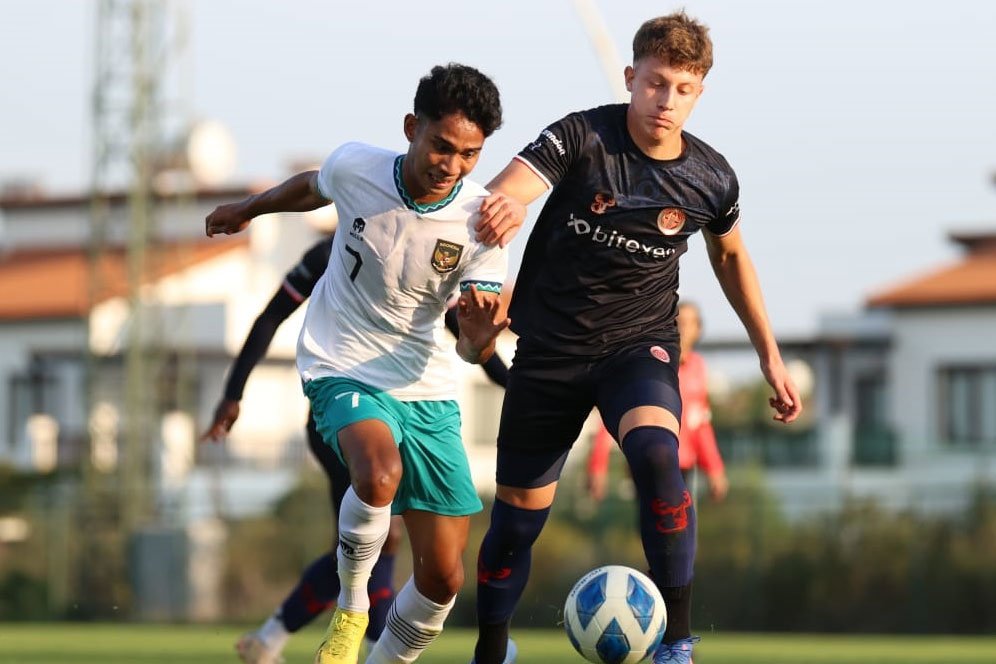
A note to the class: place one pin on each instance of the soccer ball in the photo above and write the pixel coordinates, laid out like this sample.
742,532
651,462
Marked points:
615,615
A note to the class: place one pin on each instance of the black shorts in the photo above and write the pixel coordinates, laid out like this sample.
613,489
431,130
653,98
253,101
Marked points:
548,398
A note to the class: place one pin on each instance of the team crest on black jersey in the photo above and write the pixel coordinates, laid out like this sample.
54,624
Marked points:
671,220
602,203
446,256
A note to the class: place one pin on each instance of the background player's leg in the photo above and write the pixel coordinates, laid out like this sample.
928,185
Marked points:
318,586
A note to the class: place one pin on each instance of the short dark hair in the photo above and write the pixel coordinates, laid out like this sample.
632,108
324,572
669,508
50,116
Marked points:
456,88
676,39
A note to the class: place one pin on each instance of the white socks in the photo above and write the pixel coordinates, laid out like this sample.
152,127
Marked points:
273,633
412,624
362,531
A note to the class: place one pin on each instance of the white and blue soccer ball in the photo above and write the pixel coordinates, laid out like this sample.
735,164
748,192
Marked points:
615,615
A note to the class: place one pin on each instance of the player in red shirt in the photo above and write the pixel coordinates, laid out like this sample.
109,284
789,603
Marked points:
697,440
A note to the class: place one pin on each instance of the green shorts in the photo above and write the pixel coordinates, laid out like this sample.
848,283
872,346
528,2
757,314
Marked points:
435,471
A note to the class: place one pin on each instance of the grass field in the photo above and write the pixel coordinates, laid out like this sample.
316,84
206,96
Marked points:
144,644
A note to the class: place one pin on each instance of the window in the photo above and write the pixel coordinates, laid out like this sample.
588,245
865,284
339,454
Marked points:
968,404
32,391
874,440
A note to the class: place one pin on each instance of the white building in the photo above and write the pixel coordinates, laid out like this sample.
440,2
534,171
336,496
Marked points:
904,397
200,302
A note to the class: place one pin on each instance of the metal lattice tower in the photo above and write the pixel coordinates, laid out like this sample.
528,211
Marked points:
136,45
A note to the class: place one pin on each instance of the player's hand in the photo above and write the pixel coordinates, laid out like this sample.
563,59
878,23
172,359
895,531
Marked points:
226,219
481,321
597,484
719,486
224,417
786,402
501,218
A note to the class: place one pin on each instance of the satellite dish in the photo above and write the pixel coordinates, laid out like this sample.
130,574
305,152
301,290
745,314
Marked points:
210,152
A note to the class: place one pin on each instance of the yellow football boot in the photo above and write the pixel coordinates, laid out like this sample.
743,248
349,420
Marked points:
343,638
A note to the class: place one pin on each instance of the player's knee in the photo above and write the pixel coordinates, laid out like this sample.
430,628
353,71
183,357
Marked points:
441,581
379,483
451,580
515,527
651,449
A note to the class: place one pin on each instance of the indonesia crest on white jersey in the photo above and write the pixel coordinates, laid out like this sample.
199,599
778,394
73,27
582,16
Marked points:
376,315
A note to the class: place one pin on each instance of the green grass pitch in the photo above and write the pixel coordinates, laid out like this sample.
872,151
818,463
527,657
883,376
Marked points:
59,643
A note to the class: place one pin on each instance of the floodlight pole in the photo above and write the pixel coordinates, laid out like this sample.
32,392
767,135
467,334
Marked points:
132,55
605,47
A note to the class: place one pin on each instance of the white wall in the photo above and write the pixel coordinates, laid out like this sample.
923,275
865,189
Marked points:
923,341
209,308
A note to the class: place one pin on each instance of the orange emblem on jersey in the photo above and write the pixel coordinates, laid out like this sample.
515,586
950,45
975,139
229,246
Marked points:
446,256
602,203
671,220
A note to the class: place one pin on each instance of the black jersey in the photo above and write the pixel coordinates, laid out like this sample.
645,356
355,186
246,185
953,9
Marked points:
301,279
295,289
601,266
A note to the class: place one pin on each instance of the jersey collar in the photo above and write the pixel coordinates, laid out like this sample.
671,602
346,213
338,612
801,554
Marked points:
410,203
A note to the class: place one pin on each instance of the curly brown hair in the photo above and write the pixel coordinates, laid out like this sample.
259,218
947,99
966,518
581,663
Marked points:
676,39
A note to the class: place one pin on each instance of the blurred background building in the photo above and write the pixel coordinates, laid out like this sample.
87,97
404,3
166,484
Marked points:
903,405
119,320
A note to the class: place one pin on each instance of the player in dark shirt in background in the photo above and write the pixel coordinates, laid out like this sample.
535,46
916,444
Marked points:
594,307
319,584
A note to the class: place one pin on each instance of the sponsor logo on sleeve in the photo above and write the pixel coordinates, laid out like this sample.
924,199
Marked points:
548,135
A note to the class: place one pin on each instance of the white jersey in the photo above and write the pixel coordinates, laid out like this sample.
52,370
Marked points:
376,315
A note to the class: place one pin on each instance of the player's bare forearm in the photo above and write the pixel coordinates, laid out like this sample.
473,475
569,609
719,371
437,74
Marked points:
519,182
738,279
504,211
298,193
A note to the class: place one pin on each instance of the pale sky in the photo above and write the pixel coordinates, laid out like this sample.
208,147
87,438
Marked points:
862,132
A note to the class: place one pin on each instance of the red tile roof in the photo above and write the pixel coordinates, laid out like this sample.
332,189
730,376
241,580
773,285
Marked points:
971,281
55,283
